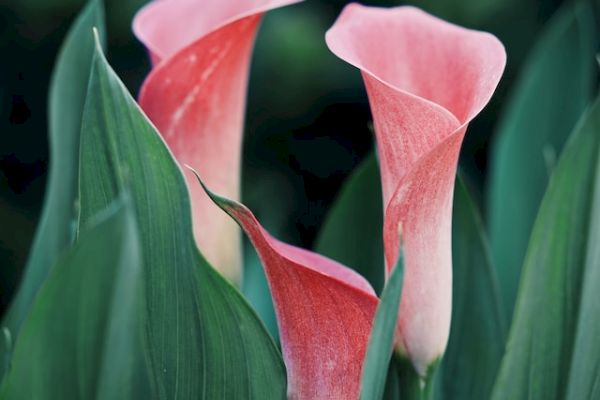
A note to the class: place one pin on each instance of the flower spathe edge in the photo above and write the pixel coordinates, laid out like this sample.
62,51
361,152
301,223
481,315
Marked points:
359,64
226,204
141,15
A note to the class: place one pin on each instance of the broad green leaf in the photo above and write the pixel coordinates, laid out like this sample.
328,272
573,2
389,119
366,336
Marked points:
478,330
202,338
381,341
78,341
556,288
353,231
67,94
554,88
584,377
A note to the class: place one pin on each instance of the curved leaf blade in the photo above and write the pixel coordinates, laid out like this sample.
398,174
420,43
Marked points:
381,340
542,337
352,232
202,338
79,340
478,329
67,95
584,377
553,91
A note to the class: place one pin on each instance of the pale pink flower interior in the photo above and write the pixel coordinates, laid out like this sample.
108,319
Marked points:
417,53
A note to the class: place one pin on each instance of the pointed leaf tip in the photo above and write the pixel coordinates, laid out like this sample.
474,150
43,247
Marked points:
97,39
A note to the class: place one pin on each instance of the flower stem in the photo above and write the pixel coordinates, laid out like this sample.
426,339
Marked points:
413,386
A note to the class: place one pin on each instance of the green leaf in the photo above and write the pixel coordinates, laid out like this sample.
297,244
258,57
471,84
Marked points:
381,340
67,94
202,338
478,330
352,232
78,340
584,376
557,288
555,86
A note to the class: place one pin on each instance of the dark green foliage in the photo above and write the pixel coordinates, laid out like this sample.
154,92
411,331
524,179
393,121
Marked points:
67,94
551,345
79,339
352,232
554,89
478,330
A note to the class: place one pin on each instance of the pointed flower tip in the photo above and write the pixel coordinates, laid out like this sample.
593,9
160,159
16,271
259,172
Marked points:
233,208
324,311
199,179
308,259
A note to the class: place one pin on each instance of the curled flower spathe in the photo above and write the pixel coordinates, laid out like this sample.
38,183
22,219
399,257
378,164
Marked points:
426,80
196,96
324,313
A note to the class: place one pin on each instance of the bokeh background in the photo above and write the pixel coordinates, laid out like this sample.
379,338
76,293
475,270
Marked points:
308,120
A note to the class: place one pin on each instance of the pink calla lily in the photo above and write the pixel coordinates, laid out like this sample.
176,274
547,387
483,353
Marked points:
195,95
324,311
426,80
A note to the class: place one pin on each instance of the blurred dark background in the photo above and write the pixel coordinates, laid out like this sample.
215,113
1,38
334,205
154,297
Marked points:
307,117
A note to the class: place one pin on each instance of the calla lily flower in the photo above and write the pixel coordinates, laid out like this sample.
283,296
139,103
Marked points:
195,95
324,311
426,80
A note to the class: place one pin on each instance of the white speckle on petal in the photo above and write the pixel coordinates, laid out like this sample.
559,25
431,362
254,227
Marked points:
330,364
178,114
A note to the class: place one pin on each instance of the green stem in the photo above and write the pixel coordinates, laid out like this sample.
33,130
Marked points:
412,386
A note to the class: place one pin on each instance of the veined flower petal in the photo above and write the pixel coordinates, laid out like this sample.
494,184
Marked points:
324,311
196,96
426,80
